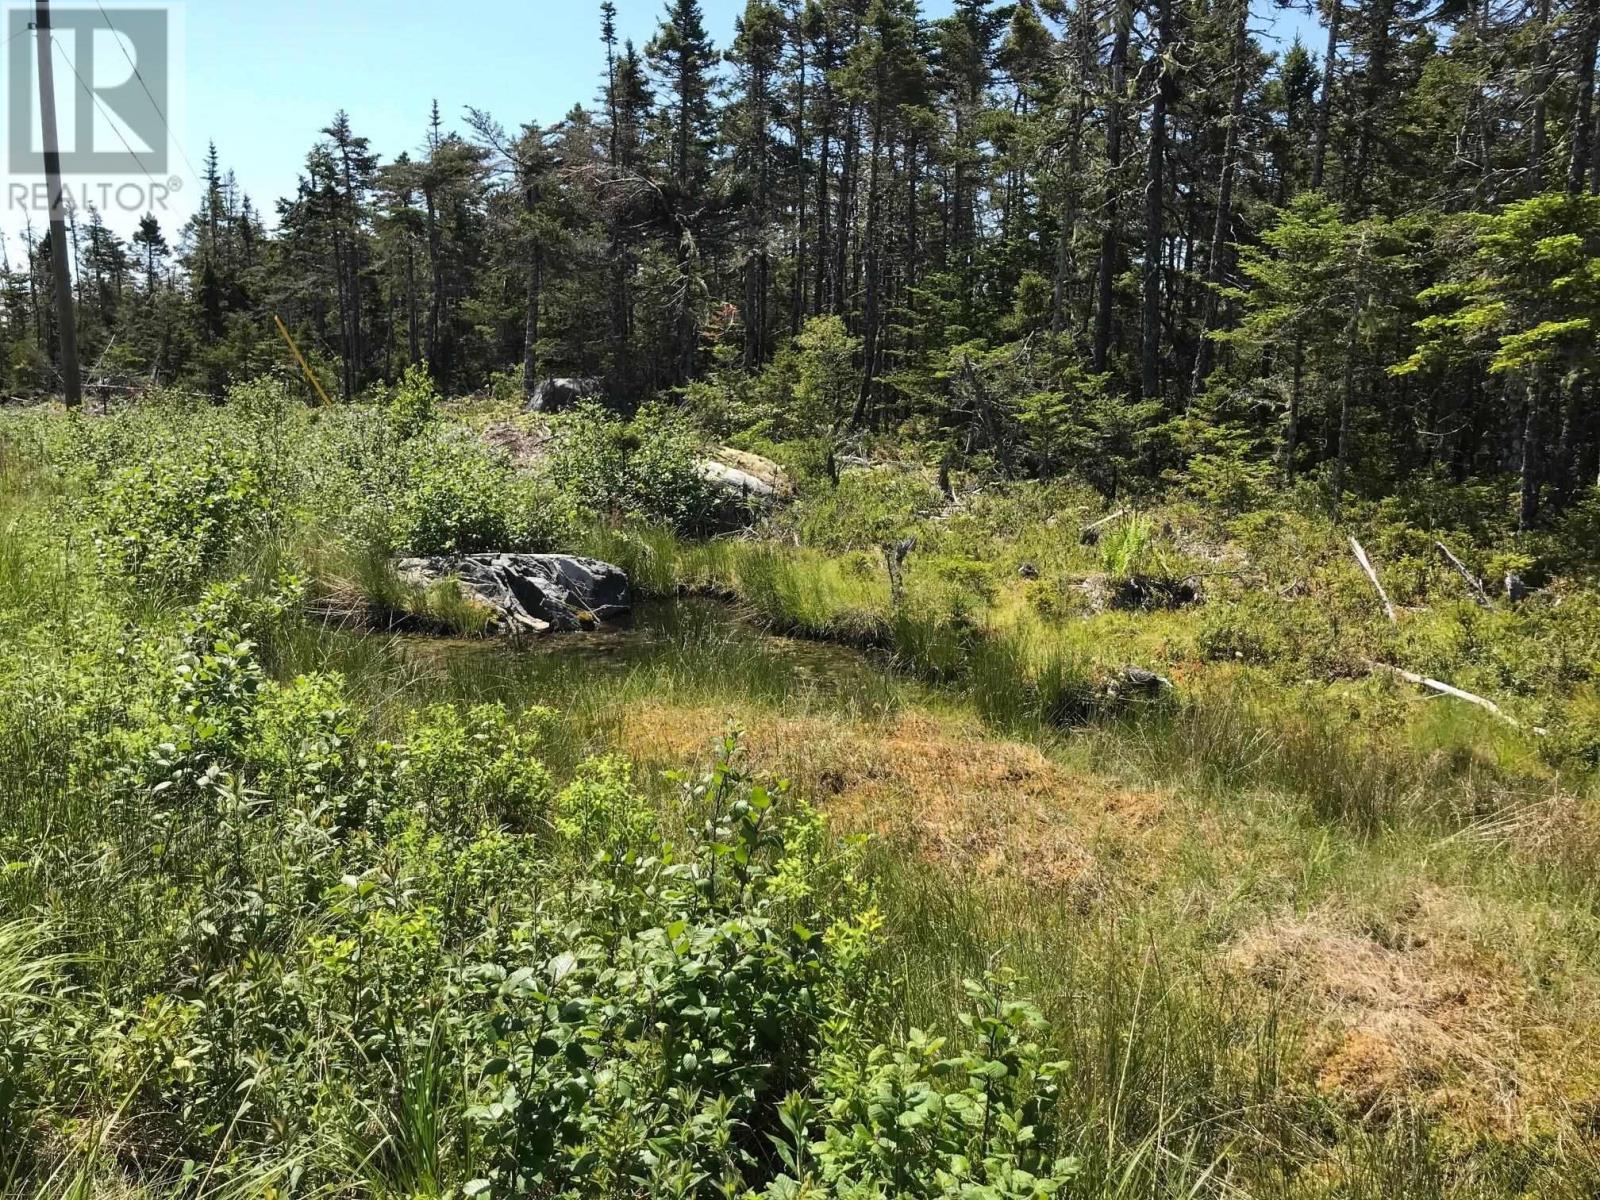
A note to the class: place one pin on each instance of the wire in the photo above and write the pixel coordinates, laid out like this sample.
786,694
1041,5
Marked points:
73,67
27,27
140,77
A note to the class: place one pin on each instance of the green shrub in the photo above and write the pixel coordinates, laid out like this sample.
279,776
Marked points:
468,769
1252,629
924,1119
826,380
414,403
868,508
168,522
645,469
453,495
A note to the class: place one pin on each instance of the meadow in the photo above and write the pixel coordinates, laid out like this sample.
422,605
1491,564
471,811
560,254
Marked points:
813,882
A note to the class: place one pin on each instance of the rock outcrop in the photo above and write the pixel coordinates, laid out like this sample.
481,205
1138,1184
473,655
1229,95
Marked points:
556,394
745,478
530,593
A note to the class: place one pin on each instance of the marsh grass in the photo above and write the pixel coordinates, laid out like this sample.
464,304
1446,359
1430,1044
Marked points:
1245,733
1183,1079
1176,1078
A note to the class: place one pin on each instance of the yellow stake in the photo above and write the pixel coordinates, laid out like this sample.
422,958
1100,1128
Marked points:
295,350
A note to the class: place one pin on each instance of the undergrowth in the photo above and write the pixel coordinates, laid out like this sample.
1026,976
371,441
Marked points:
292,906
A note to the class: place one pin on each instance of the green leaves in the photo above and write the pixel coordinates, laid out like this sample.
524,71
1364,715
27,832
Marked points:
167,522
1525,299
645,469
686,1000
913,1122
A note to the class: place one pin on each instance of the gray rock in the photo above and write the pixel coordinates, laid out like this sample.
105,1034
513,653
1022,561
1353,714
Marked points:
1136,683
742,486
736,483
1145,680
557,393
741,475
531,593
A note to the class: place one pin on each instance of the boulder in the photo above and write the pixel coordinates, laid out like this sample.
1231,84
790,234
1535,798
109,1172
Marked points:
555,394
530,593
746,477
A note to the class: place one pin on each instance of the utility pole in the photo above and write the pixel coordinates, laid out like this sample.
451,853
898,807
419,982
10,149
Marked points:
66,320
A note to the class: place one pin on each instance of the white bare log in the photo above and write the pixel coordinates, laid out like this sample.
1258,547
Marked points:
1474,584
1446,689
1104,520
1366,565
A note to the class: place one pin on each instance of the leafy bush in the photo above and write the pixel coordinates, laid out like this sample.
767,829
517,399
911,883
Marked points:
168,522
645,469
920,1120
478,767
414,403
453,495
826,376
428,954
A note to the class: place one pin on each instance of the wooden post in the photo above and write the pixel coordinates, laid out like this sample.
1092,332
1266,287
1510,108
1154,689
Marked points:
295,350
60,275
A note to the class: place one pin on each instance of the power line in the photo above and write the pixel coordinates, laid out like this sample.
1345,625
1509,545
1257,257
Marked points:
137,74
26,28
73,67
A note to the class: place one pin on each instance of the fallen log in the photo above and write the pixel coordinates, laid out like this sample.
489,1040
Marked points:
1474,584
1090,534
1372,574
1446,689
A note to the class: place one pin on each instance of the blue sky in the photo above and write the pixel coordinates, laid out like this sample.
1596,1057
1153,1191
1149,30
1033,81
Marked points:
261,79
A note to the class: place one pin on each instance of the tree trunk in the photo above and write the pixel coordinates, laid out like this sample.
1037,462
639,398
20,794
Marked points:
1373,93
1330,65
870,315
1108,238
1291,432
1347,395
1528,470
797,300
1067,235
824,147
1155,200
1583,120
848,170
436,285
1540,82
413,340
530,326
1224,219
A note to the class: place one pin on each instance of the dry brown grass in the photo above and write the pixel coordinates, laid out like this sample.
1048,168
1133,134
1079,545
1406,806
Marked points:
971,804
1436,998
1425,1008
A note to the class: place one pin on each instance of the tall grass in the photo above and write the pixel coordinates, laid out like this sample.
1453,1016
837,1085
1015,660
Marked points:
1182,1080
1238,735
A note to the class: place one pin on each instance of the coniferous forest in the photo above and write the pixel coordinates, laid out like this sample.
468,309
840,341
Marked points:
1136,230
981,606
